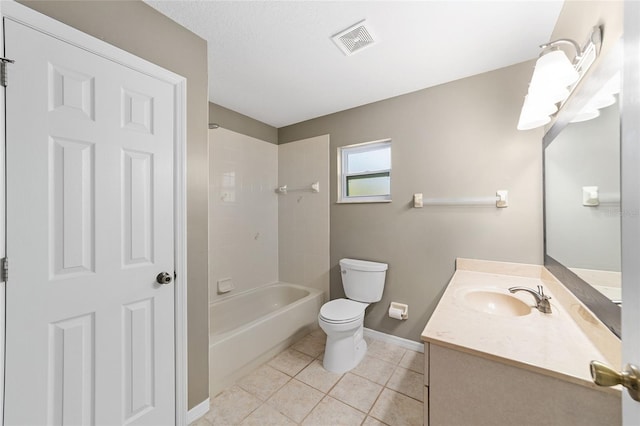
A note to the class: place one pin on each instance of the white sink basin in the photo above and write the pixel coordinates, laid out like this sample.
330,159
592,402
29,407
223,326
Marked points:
494,302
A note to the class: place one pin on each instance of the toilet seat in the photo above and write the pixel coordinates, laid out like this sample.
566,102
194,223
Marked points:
340,311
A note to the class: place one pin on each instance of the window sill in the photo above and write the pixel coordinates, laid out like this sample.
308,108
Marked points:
362,201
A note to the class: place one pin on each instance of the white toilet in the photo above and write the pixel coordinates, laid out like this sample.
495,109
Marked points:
342,319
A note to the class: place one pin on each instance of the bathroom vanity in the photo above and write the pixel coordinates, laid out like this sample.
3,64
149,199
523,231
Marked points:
492,358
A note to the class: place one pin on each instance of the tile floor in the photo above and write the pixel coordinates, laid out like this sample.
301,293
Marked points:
294,389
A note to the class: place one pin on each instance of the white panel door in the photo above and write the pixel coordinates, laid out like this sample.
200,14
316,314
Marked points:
89,331
630,190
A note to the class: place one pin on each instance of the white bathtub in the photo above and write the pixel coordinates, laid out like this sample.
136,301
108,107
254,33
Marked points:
247,329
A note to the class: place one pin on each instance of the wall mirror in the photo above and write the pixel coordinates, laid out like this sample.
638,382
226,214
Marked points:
582,192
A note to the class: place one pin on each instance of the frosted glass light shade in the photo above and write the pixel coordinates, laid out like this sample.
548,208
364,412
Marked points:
585,115
602,100
613,85
555,69
531,123
535,112
549,91
552,76
592,109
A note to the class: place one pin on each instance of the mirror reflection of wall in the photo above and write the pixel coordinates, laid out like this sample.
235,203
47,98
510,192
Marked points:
586,239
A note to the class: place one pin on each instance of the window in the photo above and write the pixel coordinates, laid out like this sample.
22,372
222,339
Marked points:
365,172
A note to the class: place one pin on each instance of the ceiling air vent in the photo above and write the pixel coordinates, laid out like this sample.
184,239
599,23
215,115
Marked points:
354,39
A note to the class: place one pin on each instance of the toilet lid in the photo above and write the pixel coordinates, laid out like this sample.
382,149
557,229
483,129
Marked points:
342,310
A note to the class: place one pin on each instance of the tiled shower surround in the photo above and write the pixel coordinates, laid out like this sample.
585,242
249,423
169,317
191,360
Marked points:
294,389
303,217
243,218
256,236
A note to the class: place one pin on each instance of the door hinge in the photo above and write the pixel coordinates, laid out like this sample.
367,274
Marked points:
4,269
3,70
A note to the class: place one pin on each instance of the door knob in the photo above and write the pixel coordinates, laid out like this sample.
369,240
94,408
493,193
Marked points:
163,278
603,375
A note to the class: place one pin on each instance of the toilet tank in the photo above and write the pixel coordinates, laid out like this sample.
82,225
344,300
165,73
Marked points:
362,280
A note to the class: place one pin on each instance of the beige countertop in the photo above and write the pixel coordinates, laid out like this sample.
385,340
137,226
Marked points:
560,344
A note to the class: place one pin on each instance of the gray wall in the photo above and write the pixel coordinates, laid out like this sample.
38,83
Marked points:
241,123
454,140
137,28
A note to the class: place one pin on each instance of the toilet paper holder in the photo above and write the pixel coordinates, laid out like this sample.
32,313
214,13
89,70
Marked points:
399,311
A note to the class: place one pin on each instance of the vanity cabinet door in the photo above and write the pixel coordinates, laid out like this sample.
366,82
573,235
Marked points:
466,389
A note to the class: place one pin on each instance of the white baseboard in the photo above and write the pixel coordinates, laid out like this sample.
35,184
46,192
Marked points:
198,411
399,341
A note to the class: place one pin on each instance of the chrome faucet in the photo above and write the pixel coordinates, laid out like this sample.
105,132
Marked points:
542,300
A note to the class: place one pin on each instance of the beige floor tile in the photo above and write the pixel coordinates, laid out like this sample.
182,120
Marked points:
413,361
370,421
295,400
316,376
290,361
311,345
264,381
397,409
267,416
385,351
202,421
333,412
356,391
290,401
407,382
231,406
319,333
374,369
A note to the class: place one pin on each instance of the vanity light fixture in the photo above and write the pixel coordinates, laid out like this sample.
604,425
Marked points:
555,77
603,98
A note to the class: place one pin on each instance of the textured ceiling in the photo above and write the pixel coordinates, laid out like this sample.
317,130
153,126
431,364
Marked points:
275,60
